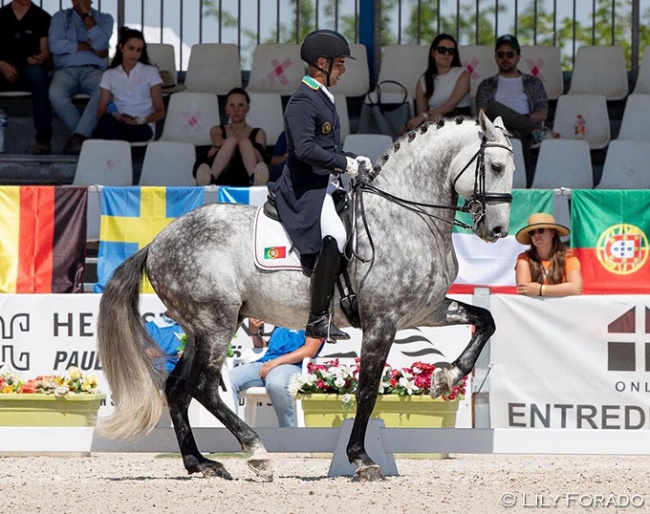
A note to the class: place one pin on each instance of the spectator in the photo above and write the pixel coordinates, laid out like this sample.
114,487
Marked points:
236,157
79,43
547,268
279,157
167,334
443,90
283,358
519,99
25,62
136,90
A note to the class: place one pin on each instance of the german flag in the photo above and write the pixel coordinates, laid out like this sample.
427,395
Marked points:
42,238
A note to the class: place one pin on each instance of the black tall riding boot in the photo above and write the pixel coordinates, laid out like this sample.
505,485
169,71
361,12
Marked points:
322,289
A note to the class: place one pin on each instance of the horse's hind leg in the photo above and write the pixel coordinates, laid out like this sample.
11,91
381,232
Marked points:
453,312
377,340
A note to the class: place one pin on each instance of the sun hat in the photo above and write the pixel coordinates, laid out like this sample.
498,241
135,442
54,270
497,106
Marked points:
508,39
540,220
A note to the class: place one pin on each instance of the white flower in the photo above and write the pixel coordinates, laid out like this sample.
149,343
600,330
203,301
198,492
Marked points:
407,384
294,384
339,382
61,391
346,398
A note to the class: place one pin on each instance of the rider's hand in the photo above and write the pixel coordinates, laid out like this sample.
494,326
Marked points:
365,164
352,169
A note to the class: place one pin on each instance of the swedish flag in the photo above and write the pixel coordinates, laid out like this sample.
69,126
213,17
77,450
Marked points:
132,216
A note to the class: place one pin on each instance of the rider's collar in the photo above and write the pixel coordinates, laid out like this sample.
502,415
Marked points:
314,84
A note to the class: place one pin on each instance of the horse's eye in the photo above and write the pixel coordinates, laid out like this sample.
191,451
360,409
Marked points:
496,168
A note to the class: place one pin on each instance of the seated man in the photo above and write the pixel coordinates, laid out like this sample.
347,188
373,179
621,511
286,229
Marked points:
25,62
167,334
79,43
283,358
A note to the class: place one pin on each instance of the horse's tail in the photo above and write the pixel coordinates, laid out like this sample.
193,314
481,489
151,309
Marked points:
123,342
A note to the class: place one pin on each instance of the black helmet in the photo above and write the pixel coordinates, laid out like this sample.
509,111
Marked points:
324,43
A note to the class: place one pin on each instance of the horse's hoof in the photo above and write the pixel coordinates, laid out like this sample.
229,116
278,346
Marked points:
215,469
370,474
439,383
263,468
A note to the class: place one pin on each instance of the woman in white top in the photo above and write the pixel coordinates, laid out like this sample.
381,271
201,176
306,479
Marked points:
130,98
443,90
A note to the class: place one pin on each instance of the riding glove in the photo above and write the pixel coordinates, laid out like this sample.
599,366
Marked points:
352,169
365,164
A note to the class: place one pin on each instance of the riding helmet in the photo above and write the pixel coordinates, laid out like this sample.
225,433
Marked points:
324,43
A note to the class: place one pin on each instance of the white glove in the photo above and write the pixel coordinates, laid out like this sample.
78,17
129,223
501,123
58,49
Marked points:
352,169
365,164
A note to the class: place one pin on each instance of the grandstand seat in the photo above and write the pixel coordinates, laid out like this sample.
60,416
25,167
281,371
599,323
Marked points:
168,163
266,112
642,86
15,94
213,68
635,125
594,110
626,166
545,63
564,163
276,68
190,117
104,162
164,57
341,103
479,62
519,178
600,70
370,145
356,80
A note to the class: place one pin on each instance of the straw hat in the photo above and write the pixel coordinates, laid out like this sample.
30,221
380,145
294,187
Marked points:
540,220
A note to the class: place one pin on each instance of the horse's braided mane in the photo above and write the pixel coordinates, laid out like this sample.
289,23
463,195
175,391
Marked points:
410,136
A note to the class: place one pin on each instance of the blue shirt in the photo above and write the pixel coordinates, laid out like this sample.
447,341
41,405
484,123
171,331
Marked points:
166,332
283,341
67,29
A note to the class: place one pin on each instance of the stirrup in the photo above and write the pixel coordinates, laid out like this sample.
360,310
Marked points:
321,327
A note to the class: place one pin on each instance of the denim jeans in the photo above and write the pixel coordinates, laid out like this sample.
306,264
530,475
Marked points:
276,383
68,82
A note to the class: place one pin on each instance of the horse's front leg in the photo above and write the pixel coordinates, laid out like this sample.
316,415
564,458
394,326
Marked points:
377,340
453,312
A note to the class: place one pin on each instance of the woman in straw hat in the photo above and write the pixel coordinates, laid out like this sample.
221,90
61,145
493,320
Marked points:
547,268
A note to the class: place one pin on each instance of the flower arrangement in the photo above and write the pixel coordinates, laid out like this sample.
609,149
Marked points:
334,378
60,386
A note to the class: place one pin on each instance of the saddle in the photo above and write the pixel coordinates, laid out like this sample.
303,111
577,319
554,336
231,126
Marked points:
341,199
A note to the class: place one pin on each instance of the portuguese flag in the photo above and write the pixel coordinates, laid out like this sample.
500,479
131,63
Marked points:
493,264
43,239
609,232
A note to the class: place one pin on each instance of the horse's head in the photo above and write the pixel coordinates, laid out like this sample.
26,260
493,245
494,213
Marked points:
485,181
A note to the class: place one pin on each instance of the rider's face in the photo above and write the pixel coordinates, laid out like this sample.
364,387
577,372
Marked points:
337,70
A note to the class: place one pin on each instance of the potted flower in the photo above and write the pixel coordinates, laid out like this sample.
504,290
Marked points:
50,400
327,394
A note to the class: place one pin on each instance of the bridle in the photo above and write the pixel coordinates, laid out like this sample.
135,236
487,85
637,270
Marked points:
475,205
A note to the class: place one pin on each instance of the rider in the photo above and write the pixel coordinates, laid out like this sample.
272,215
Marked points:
311,174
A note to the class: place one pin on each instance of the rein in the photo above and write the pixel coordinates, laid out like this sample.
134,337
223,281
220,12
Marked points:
475,205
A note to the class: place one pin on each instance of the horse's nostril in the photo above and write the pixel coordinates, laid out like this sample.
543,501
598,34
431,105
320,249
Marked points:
497,231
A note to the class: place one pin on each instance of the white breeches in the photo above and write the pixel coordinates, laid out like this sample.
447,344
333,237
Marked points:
331,224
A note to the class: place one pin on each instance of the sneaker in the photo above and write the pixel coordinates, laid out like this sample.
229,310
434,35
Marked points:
261,174
542,134
41,148
203,175
73,146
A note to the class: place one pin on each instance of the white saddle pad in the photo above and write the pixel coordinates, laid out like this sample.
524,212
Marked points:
273,248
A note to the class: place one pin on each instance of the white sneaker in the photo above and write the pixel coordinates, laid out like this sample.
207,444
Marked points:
203,175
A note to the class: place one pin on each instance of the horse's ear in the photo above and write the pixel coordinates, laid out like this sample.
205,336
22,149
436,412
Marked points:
490,131
498,123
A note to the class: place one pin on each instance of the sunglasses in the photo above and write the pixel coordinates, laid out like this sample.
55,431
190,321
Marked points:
444,50
536,231
509,54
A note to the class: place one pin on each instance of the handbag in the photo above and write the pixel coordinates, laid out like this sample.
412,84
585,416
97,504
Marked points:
379,117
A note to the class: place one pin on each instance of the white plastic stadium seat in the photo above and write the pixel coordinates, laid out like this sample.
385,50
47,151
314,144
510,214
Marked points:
479,61
168,163
190,117
276,68
266,112
564,163
356,80
626,166
635,125
519,177
104,162
370,145
213,68
341,103
600,70
545,63
594,110
163,56
643,80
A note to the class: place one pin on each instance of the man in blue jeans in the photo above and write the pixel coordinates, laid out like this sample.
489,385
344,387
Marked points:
283,358
79,43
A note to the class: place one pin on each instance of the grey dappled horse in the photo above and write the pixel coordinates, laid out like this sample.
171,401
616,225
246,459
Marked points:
202,268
